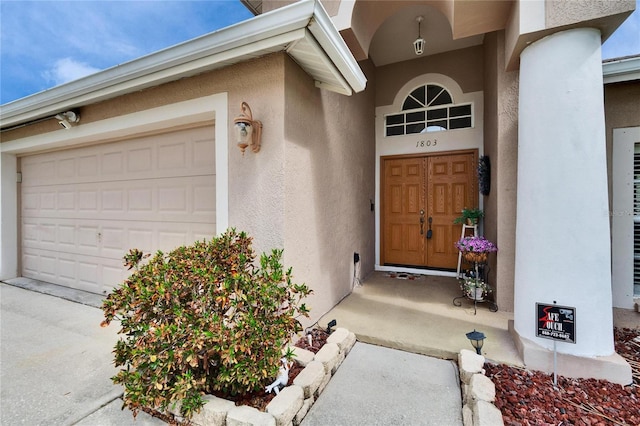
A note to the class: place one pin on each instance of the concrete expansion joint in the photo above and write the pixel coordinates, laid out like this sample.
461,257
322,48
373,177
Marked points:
101,403
478,392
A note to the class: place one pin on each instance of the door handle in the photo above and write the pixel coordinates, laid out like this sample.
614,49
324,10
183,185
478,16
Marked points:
429,231
421,225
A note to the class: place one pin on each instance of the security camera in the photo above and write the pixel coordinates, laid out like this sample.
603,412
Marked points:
63,123
68,119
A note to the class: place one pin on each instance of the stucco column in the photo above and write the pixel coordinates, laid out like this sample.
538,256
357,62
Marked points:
8,217
562,234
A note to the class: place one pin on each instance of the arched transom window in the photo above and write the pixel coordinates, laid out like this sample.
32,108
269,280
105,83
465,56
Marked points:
428,108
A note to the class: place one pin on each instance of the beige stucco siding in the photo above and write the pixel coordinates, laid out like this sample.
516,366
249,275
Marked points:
621,109
530,21
501,145
563,13
256,181
621,106
464,66
308,190
329,169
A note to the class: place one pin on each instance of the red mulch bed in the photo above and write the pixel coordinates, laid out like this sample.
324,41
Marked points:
318,339
528,397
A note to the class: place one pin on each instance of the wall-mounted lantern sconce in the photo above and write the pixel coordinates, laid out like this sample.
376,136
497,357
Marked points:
248,131
477,340
68,119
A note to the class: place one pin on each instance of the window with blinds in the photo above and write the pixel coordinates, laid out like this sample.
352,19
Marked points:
636,220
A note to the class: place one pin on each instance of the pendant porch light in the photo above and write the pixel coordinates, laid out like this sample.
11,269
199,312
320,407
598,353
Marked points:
418,44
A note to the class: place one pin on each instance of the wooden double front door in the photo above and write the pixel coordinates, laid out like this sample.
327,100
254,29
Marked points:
421,196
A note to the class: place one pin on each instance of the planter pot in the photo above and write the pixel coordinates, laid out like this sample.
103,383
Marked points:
475,294
471,221
473,257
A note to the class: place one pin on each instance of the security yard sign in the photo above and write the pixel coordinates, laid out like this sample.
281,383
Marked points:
556,322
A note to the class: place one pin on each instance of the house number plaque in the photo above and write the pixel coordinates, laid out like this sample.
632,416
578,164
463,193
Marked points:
426,143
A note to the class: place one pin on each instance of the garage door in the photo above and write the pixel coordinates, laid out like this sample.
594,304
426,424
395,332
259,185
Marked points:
84,208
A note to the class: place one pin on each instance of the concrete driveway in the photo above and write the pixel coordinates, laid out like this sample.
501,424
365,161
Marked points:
56,363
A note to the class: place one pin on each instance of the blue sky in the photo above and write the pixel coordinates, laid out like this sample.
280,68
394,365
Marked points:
47,43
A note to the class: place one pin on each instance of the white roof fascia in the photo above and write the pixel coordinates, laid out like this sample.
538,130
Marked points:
308,54
147,71
336,49
267,33
132,83
199,110
624,69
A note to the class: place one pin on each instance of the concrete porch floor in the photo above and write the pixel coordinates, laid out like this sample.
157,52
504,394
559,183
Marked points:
419,316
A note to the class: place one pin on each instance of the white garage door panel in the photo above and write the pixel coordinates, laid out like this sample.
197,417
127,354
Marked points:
88,273
84,208
178,199
97,266
110,239
145,158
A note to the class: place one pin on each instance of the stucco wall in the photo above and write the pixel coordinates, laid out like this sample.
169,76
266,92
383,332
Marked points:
491,140
331,6
256,181
530,21
269,5
463,65
560,13
329,182
309,188
501,145
621,109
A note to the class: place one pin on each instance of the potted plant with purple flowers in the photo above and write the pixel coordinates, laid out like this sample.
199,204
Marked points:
475,249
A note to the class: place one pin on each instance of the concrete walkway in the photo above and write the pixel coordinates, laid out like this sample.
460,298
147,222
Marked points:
56,363
419,316
382,386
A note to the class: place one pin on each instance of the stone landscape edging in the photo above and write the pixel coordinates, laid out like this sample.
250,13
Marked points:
478,392
294,401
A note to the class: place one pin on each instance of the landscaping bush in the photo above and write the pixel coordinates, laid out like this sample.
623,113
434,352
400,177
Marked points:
200,319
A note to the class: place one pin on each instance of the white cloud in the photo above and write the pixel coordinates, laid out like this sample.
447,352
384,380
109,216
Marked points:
68,69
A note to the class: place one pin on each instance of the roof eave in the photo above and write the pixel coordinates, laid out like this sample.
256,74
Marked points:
264,34
621,69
